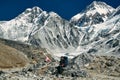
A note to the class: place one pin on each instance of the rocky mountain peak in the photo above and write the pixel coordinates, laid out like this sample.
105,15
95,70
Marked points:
96,5
97,12
35,10
30,14
52,13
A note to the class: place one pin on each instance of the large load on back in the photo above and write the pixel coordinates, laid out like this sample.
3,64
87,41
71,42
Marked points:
65,61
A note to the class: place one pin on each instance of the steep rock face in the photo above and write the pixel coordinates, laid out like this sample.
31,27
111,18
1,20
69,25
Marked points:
56,33
95,13
104,38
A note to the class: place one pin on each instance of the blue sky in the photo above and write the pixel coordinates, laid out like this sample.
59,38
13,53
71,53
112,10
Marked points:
9,9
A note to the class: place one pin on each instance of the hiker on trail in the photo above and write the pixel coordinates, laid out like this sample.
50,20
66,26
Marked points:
63,63
47,59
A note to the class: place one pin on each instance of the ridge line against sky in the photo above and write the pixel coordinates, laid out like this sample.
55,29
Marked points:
10,9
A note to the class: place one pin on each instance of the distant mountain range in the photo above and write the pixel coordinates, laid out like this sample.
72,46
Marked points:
94,30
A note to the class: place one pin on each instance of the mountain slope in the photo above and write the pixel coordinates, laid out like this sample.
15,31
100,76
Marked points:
11,58
104,38
56,34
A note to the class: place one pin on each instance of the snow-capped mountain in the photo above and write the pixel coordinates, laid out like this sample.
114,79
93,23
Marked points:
99,30
19,28
97,12
56,33
43,29
103,38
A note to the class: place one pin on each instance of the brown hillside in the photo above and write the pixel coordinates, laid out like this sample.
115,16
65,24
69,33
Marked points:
11,58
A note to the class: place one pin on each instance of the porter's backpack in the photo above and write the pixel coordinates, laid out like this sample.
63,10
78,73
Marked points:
65,61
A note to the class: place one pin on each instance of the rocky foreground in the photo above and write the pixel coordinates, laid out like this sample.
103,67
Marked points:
91,67
24,62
